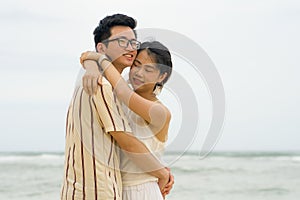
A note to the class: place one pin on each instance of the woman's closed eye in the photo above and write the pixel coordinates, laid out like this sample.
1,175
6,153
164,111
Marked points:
149,68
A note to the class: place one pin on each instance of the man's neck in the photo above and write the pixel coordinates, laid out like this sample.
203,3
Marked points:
118,67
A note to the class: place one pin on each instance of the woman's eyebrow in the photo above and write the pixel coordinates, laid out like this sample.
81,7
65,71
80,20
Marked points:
146,65
139,62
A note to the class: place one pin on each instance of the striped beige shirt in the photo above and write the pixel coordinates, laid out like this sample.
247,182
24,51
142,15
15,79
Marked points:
91,161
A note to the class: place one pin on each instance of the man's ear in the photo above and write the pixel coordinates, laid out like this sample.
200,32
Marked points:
101,48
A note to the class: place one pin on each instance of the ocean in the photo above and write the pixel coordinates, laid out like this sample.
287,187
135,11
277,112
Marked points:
219,176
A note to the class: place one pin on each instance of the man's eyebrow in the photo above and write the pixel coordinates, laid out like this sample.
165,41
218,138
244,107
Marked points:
124,37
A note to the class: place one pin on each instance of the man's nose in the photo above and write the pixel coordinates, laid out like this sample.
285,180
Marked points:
129,47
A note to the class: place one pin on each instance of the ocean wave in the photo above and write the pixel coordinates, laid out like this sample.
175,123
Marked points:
172,159
279,158
296,158
188,169
273,190
9,158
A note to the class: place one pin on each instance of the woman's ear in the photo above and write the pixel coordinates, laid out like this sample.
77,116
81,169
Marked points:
162,77
101,48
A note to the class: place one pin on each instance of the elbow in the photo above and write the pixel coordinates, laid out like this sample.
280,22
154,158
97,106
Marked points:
130,144
128,147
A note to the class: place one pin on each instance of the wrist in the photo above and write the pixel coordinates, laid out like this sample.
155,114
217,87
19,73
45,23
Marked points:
100,62
101,58
164,174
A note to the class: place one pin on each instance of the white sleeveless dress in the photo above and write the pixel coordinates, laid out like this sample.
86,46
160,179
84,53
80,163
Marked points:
138,185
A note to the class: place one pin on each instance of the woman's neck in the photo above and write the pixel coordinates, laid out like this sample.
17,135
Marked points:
147,95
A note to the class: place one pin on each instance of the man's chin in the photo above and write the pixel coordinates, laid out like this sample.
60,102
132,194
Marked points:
128,63
122,64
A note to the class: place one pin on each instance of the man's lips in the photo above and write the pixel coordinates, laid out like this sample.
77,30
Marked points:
130,56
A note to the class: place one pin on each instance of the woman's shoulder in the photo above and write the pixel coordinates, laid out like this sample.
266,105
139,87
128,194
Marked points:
164,107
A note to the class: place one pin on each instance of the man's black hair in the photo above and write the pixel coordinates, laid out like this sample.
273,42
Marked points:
103,31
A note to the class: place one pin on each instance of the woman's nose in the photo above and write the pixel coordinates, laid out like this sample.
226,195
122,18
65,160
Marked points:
139,72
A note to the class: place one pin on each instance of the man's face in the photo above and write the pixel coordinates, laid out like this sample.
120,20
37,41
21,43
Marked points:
121,56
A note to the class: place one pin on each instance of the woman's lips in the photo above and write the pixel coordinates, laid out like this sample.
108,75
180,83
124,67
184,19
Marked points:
137,81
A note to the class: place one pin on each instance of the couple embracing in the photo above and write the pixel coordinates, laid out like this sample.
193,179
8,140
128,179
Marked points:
116,130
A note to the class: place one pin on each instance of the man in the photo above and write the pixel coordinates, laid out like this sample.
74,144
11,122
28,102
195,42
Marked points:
96,123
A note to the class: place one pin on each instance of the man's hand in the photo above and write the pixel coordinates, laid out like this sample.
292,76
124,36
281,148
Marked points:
162,182
169,186
91,77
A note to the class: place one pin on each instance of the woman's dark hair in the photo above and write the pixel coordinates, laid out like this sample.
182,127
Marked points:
161,56
102,31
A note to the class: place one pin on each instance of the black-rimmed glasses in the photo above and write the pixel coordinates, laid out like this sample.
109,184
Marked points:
123,42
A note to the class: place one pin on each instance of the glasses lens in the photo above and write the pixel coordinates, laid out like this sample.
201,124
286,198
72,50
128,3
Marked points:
135,44
123,42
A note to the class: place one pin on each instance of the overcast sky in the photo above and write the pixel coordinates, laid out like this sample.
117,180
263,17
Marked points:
254,45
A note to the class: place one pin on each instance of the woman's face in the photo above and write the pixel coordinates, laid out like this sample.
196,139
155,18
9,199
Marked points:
143,73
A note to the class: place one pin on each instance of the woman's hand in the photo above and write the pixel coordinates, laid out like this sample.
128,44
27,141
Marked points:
89,55
91,78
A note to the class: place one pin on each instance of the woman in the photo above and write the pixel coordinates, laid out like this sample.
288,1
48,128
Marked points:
149,119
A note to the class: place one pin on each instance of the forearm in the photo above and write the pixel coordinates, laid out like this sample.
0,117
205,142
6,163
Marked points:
154,113
148,163
148,110
137,152
121,88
